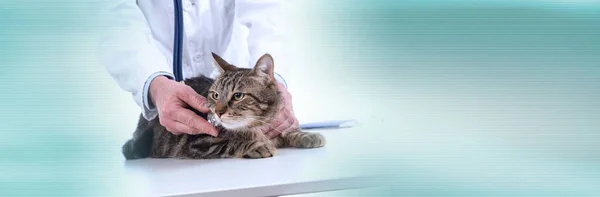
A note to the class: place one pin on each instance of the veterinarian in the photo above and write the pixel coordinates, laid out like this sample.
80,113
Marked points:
138,53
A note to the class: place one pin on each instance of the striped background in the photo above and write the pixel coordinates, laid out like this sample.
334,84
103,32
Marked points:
461,97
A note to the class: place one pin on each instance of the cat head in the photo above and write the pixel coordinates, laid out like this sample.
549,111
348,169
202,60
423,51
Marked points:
242,98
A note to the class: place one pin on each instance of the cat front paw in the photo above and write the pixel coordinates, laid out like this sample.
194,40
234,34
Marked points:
265,151
311,140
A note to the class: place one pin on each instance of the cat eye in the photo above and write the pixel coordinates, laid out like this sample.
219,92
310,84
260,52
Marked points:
215,96
238,96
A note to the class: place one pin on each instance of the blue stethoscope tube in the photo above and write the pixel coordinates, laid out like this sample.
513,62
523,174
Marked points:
178,40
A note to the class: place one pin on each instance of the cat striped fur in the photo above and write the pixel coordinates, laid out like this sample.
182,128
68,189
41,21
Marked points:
238,119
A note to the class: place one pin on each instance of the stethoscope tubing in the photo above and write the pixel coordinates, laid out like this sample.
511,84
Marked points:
178,40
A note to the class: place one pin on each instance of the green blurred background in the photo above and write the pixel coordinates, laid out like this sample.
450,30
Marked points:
472,98
57,134
456,98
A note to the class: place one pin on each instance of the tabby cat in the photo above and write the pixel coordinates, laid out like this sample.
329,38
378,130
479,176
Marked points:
241,101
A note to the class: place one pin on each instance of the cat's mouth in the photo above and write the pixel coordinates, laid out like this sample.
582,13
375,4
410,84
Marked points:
228,122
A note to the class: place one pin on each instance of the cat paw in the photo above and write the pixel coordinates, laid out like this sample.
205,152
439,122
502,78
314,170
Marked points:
261,152
311,140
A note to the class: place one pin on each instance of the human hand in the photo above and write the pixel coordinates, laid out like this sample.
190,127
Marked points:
171,99
284,119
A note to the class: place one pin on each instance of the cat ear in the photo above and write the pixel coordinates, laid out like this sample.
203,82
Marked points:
221,64
265,66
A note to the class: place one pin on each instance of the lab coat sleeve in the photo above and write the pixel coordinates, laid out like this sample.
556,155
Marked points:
129,52
265,22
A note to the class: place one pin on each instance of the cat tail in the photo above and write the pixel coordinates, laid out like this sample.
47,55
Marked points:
140,146
129,150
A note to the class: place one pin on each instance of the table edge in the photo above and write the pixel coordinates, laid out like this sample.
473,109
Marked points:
289,188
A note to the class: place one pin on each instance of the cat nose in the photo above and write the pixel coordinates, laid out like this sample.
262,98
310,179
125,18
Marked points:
220,109
220,113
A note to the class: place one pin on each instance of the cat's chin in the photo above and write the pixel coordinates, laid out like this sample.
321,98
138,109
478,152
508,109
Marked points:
235,125
229,124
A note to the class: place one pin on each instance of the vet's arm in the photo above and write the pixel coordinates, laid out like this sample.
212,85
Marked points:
129,52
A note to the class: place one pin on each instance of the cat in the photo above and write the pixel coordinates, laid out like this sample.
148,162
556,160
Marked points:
241,101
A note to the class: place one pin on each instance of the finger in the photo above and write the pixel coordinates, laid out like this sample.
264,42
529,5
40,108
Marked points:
184,128
207,128
272,134
283,103
177,128
293,118
199,124
175,132
286,99
187,117
296,124
271,130
267,128
194,100
279,119
288,123
282,128
285,124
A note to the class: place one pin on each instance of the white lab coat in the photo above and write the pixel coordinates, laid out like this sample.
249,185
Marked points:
138,44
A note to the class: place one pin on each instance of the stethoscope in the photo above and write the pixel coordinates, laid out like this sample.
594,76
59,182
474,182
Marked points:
178,40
